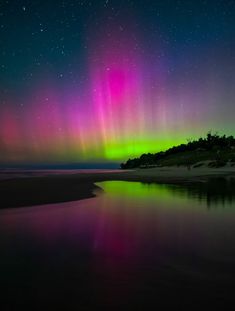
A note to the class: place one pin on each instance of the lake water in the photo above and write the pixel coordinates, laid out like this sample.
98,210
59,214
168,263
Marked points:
24,173
135,246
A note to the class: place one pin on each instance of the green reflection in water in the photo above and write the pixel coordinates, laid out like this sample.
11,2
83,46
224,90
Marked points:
215,192
146,191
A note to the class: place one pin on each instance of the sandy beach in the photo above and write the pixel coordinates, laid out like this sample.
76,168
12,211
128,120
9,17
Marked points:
19,192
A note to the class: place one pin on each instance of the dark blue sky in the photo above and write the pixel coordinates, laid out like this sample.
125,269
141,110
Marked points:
54,35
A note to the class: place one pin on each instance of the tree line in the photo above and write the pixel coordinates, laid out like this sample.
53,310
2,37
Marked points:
212,142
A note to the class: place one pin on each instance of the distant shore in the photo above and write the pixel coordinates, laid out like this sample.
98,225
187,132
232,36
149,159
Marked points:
29,191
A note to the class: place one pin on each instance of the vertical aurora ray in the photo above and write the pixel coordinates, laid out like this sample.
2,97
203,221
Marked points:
116,91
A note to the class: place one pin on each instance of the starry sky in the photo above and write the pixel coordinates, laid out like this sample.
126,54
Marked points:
105,80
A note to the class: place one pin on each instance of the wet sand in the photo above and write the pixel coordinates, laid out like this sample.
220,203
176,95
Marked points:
19,192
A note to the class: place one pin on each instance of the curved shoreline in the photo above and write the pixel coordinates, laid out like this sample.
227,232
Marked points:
22,192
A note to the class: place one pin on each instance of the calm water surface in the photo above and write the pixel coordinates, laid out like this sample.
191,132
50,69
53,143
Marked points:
135,246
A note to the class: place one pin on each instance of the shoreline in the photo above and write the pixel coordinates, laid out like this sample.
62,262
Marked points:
30,191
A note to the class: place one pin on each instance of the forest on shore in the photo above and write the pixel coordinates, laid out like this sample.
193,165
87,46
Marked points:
214,149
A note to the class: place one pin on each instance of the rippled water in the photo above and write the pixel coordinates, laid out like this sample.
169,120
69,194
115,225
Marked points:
135,246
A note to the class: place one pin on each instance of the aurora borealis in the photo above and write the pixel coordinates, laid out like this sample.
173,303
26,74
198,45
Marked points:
107,80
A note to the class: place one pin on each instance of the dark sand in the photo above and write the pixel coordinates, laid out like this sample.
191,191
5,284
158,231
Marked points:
30,191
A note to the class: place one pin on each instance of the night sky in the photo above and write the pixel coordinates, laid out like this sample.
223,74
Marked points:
92,81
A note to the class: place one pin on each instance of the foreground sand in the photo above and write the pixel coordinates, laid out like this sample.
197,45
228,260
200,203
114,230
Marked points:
62,188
